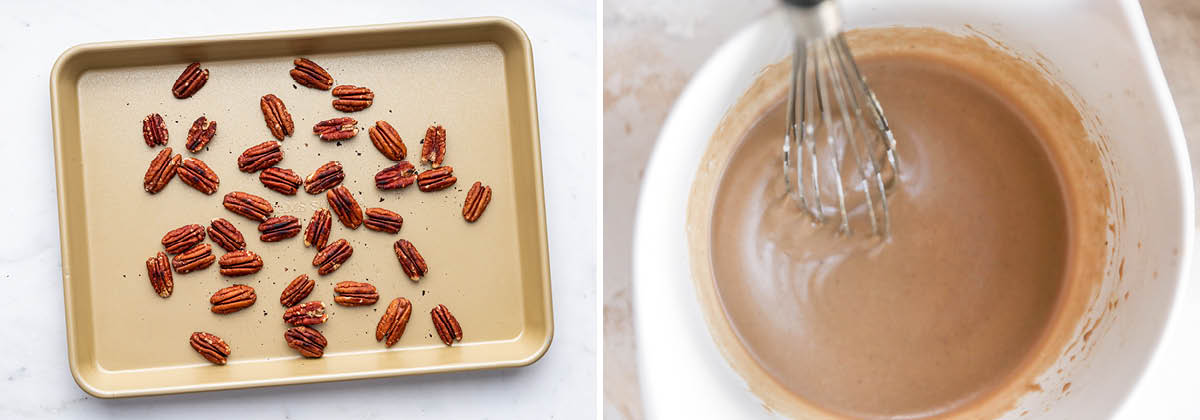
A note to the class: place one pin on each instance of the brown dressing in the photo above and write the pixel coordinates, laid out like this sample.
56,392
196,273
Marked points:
945,311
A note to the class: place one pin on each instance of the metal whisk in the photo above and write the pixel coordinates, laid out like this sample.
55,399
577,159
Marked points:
842,147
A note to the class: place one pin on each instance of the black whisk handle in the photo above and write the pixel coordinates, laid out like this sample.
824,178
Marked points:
805,3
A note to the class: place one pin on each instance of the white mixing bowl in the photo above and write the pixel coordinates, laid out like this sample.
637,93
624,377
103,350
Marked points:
1100,50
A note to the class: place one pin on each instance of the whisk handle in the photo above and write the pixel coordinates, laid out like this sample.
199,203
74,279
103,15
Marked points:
805,3
813,19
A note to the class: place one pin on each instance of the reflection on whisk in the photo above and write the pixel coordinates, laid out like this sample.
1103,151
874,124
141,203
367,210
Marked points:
839,153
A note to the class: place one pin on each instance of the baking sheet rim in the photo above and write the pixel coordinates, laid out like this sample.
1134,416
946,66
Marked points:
57,71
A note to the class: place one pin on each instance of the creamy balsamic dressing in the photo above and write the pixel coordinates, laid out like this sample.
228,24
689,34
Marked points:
951,305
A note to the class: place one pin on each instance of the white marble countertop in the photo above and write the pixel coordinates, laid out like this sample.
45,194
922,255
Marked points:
35,381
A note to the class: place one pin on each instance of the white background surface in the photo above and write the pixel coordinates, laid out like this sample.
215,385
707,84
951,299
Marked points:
35,381
1168,391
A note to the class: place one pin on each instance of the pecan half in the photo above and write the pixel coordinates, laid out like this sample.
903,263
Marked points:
250,206
309,74
195,258
447,327
391,325
327,176
309,342
387,141
336,129
297,290
240,263
396,176
307,313
260,156
182,238
191,80
318,229
383,220
226,235
232,299
211,347
433,149
436,179
410,260
477,200
279,121
345,207
279,228
332,256
154,130
196,173
353,293
352,98
200,134
161,170
283,181
159,271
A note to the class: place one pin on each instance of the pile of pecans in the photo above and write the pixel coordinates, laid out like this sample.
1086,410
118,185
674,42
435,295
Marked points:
185,251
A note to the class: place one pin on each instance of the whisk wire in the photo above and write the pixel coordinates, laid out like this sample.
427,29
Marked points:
878,118
791,137
799,137
853,76
825,85
856,131
810,111
831,99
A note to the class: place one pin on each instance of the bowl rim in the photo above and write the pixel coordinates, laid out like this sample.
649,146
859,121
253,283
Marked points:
658,243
